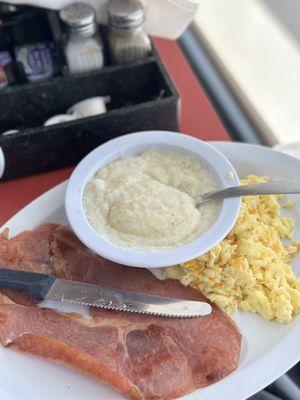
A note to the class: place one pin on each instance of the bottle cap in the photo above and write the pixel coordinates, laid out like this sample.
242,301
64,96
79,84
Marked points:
79,18
125,14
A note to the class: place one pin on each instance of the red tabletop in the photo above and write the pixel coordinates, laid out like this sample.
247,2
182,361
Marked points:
198,119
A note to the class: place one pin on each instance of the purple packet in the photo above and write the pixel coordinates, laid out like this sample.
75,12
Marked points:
37,60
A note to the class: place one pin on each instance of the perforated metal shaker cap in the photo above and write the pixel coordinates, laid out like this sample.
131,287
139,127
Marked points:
125,14
79,17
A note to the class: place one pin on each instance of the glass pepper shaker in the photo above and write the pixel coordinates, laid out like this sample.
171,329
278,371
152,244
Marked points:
83,47
127,38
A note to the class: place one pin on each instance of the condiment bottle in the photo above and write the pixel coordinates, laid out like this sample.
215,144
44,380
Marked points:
128,40
83,48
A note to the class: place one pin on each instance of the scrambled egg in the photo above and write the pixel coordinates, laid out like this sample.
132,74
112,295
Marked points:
250,268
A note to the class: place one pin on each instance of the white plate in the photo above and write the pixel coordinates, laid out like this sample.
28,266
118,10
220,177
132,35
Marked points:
268,349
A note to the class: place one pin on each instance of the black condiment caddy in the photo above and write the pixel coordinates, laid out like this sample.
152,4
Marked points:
142,98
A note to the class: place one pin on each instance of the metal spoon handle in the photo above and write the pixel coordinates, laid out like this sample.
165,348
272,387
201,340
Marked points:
278,186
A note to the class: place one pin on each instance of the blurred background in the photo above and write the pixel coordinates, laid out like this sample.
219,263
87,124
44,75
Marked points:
247,55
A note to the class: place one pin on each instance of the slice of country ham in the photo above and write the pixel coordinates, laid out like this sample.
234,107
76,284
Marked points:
144,357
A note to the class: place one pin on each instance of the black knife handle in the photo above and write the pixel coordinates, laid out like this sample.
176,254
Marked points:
37,285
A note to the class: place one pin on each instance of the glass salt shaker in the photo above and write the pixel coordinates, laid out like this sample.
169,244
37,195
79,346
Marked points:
128,40
83,48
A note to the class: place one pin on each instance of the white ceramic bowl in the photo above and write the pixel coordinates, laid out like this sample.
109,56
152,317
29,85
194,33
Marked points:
134,144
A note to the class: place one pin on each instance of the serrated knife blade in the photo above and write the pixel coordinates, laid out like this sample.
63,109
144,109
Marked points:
122,300
48,287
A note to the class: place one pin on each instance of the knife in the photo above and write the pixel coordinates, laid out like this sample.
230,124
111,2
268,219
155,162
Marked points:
48,287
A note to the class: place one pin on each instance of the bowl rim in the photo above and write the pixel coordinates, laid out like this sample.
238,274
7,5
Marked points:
134,143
